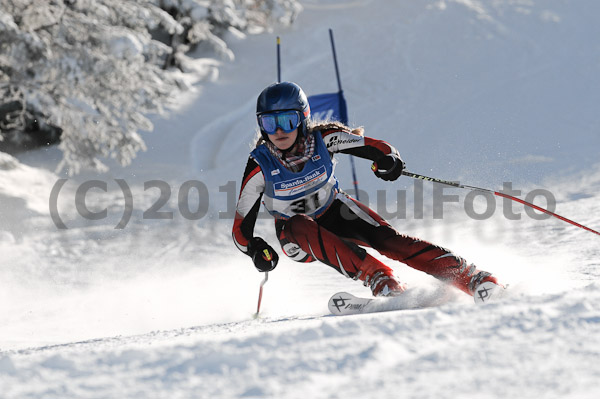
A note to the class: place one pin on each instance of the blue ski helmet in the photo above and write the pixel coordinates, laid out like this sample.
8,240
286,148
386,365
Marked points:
284,96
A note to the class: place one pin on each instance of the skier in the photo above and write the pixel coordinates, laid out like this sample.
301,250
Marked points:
292,167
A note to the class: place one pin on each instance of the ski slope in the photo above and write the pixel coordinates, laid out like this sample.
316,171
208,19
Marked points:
481,92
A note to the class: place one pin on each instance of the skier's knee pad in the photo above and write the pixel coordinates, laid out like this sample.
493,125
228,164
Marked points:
293,251
298,224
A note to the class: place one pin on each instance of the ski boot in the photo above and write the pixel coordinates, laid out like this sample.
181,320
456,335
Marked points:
379,278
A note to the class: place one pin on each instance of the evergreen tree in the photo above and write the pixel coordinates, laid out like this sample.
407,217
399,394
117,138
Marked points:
94,69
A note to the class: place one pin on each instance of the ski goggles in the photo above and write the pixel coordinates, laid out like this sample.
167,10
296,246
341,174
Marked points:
285,120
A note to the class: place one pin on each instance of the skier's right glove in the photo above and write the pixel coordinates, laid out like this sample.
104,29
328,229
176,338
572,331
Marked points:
263,255
388,167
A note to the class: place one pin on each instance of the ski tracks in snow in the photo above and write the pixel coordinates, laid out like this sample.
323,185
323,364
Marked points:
429,352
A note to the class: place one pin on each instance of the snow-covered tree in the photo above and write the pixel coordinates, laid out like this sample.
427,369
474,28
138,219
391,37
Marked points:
94,69
206,22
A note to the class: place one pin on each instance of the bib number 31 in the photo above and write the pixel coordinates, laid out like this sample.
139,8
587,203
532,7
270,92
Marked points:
306,204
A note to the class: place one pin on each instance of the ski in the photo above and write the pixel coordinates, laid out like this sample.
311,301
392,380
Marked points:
488,292
344,303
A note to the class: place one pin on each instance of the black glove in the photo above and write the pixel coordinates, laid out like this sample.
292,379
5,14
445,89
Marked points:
264,257
388,167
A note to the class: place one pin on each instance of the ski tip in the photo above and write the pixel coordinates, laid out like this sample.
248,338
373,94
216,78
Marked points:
488,292
338,302
344,303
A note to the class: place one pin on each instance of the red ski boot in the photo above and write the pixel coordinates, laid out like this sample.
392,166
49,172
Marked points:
379,278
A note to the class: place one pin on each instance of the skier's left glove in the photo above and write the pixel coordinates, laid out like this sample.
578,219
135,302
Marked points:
388,167
263,255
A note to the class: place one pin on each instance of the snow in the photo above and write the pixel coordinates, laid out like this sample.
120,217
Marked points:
125,45
481,92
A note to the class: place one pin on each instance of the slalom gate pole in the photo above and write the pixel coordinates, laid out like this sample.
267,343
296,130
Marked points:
260,293
335,63
499,194
354,179
345,122
278,60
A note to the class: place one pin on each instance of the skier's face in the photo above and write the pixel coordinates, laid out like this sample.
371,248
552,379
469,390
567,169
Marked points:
283,140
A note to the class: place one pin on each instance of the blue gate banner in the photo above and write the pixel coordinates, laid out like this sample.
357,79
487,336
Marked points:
329,106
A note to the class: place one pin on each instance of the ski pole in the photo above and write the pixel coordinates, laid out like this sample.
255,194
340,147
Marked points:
260,293
458,185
